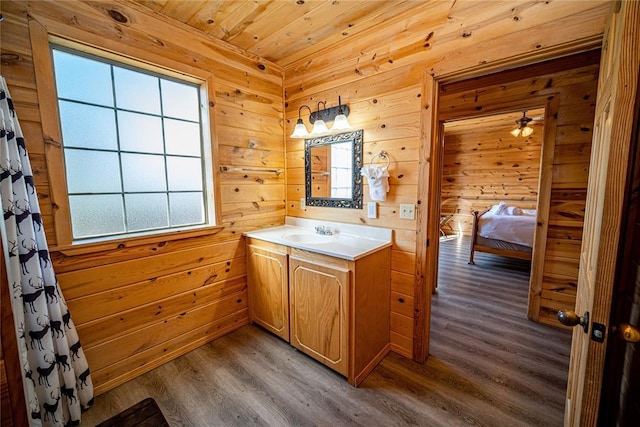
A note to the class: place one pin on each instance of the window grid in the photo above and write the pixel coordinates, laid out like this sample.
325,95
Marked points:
119,152
116,118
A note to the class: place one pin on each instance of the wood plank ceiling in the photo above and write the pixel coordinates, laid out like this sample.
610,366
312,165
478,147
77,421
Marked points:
282,31
503,122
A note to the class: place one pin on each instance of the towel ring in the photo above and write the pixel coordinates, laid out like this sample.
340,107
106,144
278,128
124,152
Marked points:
382,155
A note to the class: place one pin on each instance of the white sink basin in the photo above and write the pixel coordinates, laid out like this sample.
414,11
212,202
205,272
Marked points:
307,238
348,241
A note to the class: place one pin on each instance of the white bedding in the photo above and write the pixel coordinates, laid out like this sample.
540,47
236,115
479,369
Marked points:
510,228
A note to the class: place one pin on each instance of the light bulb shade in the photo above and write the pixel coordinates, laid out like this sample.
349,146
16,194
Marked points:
319,127
341,123
516,132
300,130
526,131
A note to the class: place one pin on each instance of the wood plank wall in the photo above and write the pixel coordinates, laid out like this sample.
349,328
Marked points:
573,81
382,77
484,165
320,171
137,305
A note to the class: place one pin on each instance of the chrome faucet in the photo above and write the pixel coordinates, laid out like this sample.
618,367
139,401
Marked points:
324,230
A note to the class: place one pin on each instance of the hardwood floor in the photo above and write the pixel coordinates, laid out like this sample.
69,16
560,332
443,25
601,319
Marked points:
488,365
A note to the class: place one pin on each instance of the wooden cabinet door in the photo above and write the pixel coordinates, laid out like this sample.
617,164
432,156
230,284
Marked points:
319,301
267,277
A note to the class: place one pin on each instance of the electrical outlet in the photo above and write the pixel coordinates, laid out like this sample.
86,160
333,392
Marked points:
407,211
303,203
372,210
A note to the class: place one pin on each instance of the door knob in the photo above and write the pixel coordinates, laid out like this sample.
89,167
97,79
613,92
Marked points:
628,332
570,318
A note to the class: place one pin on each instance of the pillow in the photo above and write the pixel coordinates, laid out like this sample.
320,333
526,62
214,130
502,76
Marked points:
498,209
503,209
512,210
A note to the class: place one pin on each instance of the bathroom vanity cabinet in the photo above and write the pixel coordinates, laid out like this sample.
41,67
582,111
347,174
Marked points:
333,309
268,292
319,300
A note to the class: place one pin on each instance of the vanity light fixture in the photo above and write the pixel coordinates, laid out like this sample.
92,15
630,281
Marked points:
319,126
300,130
523,128
319,118
341,122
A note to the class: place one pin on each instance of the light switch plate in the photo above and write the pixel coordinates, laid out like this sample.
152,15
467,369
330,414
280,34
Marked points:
372,210
303,203
407,211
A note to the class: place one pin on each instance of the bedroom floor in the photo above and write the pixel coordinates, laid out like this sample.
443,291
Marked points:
488,365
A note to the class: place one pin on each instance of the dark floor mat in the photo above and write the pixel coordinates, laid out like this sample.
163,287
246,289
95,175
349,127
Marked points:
143,414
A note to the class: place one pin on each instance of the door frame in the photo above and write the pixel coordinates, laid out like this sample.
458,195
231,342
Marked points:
550,103
429,181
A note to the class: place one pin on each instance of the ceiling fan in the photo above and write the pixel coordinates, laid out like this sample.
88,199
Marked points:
523,128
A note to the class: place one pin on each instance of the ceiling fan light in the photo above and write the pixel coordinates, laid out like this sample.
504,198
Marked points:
526,131
523,128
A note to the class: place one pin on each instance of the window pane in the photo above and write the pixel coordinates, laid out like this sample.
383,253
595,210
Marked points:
341,177
185,174
92,171
132,147
341,193
95,215
186,208
136,91
87,126
146,211
82,79
143,172
140,132
341,155
182,137
180,100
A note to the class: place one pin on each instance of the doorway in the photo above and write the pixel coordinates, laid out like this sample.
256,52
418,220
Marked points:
488,163
525,363
567,89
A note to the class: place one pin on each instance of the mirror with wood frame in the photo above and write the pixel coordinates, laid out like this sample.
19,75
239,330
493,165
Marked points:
332,166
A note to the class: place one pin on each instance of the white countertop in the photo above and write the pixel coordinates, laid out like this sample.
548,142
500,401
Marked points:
348,241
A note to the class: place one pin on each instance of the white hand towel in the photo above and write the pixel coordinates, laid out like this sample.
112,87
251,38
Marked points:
378,179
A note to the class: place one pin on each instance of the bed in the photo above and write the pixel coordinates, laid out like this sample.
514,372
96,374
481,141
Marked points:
503,230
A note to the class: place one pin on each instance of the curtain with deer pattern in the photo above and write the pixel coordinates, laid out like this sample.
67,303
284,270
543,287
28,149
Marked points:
55,373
